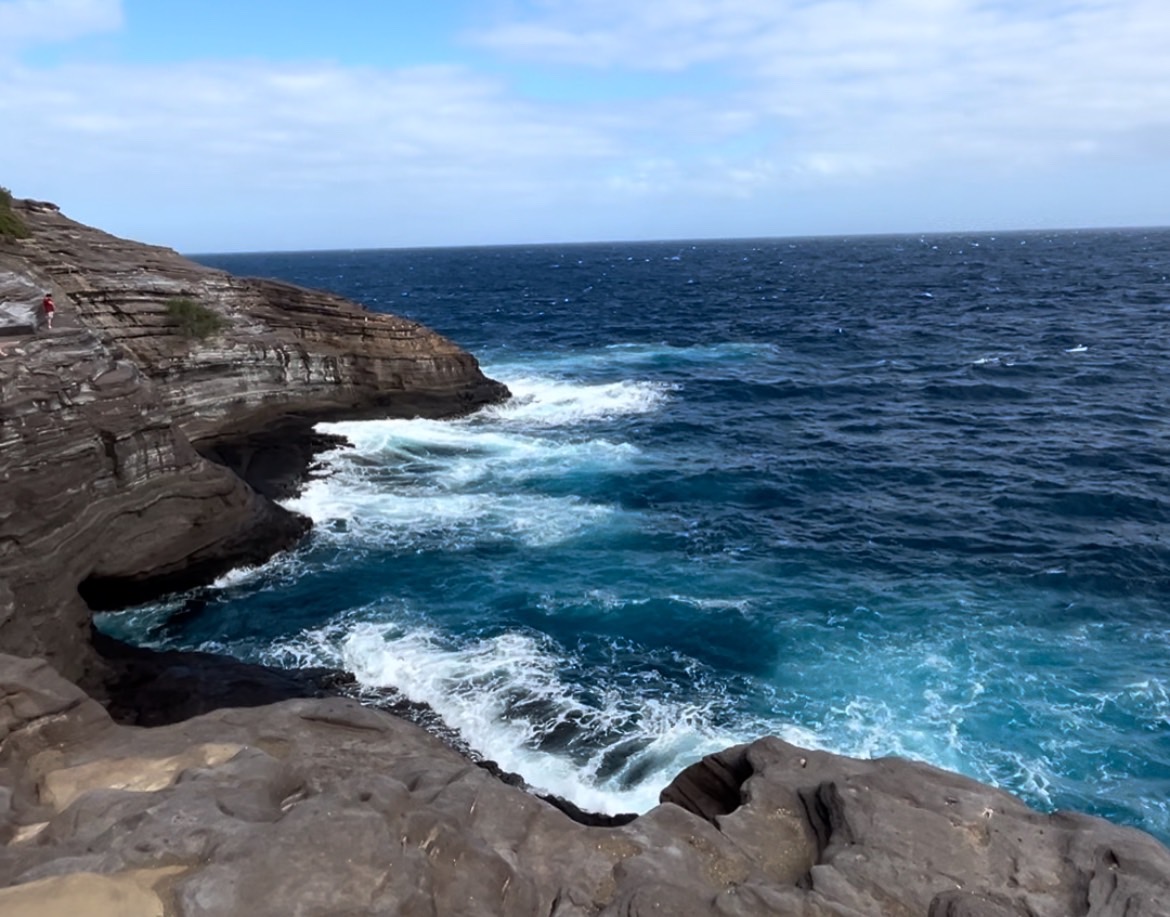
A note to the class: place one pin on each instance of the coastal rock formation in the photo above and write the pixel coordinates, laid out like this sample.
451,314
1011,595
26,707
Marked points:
108,423
326,807
99,484
279,349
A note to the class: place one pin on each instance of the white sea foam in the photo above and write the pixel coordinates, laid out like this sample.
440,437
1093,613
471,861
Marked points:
634,359
353,510
463,451
999,359
740,605
1033,776
506,698
549,402
408,482
138,624
237,577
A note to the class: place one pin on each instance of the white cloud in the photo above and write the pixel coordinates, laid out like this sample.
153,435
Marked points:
902,80
650,35
29,22
823,105
411,119
405,144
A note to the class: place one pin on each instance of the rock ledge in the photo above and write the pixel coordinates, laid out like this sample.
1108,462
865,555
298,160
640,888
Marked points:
326,807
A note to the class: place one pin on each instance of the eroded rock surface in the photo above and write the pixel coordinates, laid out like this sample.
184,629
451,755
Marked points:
325,807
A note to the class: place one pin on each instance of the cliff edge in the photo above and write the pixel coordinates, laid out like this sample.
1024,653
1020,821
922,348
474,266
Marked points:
154,367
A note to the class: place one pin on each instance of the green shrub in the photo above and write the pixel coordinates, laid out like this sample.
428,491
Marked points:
194,320
11,226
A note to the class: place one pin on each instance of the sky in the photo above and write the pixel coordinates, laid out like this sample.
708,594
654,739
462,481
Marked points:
262,125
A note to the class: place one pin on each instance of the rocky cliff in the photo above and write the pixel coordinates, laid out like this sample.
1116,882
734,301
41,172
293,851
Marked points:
137,457
107,423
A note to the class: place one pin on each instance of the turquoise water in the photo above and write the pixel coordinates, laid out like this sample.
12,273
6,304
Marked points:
881,496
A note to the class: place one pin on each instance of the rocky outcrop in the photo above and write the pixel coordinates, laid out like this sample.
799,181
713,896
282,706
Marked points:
282,349
107,423
325,807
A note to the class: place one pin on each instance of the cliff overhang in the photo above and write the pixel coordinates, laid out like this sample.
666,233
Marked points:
140,454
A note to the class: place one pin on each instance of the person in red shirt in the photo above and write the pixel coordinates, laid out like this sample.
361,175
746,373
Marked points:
47,305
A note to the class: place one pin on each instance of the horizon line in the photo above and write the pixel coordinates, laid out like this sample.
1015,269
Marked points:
842,236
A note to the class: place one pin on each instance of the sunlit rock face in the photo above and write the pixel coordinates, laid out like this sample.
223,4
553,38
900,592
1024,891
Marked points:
107,421
277,349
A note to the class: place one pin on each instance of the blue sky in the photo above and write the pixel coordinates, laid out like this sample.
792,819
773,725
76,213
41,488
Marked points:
209,125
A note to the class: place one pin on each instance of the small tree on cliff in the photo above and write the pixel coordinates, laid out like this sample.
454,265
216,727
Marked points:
11,225
194,319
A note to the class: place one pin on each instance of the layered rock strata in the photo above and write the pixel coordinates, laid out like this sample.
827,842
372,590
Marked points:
107,494
97,481
325,807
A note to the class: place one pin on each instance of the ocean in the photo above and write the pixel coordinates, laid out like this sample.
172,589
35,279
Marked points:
880,495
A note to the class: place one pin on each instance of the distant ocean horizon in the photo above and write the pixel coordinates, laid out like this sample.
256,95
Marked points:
897,494
210,257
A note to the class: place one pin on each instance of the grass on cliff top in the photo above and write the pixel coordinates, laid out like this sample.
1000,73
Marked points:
11,226
194,320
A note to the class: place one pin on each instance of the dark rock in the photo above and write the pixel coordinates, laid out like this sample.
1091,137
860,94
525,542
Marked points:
713,786
275,461
579,815
271,530
150,688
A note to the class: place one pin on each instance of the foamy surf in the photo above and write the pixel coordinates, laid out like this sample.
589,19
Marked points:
433,518
506,697
713,357
410,483
543,401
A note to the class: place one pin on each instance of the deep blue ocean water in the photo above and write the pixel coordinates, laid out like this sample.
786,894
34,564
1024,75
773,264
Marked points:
880,495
